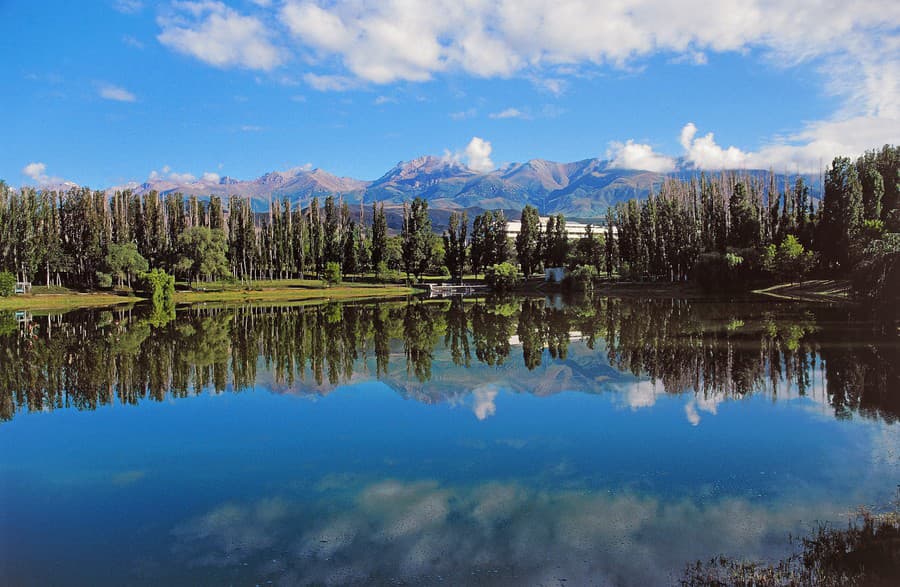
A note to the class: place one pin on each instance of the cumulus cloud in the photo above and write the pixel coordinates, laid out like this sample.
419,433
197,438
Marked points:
210,177
483,405
631,155
548,41
704,153
386,41
478,155
37,172
218,35
115,93
508,113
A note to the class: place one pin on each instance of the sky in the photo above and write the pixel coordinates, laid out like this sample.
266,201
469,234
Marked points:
101,92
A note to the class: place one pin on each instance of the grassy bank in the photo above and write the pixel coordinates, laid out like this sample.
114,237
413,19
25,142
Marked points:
63,299
814,290
292,290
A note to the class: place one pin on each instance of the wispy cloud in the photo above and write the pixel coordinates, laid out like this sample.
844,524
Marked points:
128,6
509,113
464,114
330,83
132,42
115,93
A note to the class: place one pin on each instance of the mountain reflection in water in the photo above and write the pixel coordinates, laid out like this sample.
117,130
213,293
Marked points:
641,347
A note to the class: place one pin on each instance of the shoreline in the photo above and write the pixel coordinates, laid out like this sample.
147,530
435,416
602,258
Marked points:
816,290
306,292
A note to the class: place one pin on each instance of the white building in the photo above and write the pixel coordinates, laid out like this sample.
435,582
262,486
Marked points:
576,230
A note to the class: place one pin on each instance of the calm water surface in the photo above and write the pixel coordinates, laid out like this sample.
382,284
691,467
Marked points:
605,441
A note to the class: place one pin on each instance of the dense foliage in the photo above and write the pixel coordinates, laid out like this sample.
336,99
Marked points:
732,229
7,284
502,276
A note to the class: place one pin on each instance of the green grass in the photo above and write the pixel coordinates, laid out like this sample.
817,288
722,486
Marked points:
64,301
278,290
288,291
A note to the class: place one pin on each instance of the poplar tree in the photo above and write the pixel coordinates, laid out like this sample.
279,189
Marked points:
528,241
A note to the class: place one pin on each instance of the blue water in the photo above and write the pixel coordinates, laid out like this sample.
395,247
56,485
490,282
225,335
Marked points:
489,483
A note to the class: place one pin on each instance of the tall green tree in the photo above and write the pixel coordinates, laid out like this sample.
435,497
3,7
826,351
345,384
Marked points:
417,237
379,235
528,241
124,262
842,213
202,253
455,245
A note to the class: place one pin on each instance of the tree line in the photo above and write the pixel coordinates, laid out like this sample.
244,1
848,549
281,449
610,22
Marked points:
87,238
721,230
733,228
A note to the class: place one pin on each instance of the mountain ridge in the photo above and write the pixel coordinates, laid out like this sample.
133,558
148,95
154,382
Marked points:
583,188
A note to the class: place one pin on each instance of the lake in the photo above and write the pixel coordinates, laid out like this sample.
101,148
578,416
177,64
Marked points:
515,441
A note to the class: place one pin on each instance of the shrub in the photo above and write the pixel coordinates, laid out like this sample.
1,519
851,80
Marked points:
332,273
445,271
7,284
385,274
104,280
157,285
582,278
502,277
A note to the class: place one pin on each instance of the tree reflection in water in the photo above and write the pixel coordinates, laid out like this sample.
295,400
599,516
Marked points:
90,358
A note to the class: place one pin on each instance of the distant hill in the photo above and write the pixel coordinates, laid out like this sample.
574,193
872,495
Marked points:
581,189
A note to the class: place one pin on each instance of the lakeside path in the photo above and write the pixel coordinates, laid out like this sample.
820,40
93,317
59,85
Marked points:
287,293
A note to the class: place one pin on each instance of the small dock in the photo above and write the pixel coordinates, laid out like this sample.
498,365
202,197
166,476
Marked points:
443,290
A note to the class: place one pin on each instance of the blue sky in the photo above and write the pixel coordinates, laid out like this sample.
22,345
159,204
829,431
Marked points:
106,91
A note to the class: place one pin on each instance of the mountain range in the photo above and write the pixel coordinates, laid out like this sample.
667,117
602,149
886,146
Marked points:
581,189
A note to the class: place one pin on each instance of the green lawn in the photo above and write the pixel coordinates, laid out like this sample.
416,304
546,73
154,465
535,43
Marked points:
60,298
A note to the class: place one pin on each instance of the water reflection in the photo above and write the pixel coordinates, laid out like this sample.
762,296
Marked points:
458,350
496,533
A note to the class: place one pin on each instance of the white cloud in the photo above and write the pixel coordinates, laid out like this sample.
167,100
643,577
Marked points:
210,177
550,41
381,100
37,172
631,155
250,128
483,402
167,173
182,177
509,113
704,153
216,34
478,155
329,83
115,93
